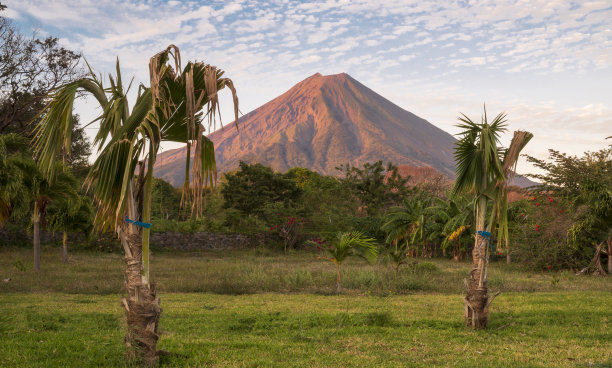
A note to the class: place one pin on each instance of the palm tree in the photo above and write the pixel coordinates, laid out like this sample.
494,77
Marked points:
455,216
398,255
70,216
408,223
42,191
172,108
23,185
345,245
485,169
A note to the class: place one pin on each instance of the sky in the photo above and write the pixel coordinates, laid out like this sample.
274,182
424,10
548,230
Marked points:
547,64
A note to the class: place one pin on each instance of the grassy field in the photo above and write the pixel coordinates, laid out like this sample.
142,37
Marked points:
259,271
260,309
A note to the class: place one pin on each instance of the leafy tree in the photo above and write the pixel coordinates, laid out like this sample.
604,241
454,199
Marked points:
121,179
347,245
485,169
586,183
375,186
13,155
325,202
165,200
252,186
29,69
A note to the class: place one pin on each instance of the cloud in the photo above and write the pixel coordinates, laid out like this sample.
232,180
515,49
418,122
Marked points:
445,43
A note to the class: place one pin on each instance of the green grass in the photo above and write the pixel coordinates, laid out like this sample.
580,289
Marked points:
258,308
563,329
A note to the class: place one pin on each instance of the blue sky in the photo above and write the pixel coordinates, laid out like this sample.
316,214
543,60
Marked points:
548,64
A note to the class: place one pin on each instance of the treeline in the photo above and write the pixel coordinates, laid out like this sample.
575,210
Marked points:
558,224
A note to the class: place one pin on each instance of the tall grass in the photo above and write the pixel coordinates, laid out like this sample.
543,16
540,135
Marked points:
257,271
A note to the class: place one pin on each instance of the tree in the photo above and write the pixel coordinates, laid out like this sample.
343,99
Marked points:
165,202
70,216
407,223
586,183
374,186
43,190
172,108
252,186
456,216
485,169
23,187
29,69
13,152
347,245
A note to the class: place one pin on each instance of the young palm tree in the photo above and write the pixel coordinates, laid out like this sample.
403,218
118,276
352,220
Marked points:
398,255
407,223
70,216
456,216
347,245
173,108
485,169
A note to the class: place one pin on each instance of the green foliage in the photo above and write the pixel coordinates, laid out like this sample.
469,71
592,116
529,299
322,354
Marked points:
253,186
409,223
73,215
453,218
349,244
30,67
538,234
585,183
375,186
165,201
14,155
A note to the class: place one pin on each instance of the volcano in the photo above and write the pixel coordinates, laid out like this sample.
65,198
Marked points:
321,123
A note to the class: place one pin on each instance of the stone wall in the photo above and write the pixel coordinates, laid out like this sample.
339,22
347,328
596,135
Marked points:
204,240
21,237
169,240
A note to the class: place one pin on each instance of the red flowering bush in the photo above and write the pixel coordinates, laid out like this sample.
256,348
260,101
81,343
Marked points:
288,229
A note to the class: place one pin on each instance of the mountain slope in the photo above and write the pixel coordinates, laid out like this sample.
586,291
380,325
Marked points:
321,123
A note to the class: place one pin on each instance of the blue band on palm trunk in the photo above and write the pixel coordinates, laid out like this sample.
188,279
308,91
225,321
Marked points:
138,223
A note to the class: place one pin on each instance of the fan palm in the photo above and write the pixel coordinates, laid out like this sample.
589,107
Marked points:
485,169
349,244
172,108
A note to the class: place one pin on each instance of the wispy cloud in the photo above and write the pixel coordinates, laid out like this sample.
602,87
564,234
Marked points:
465,51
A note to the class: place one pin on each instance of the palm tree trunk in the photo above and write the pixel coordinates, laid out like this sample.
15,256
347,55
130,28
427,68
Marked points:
142,308
338,281
508,256
65,247
476,300
36,236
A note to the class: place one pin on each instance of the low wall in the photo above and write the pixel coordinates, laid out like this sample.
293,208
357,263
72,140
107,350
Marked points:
169,240
202,240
